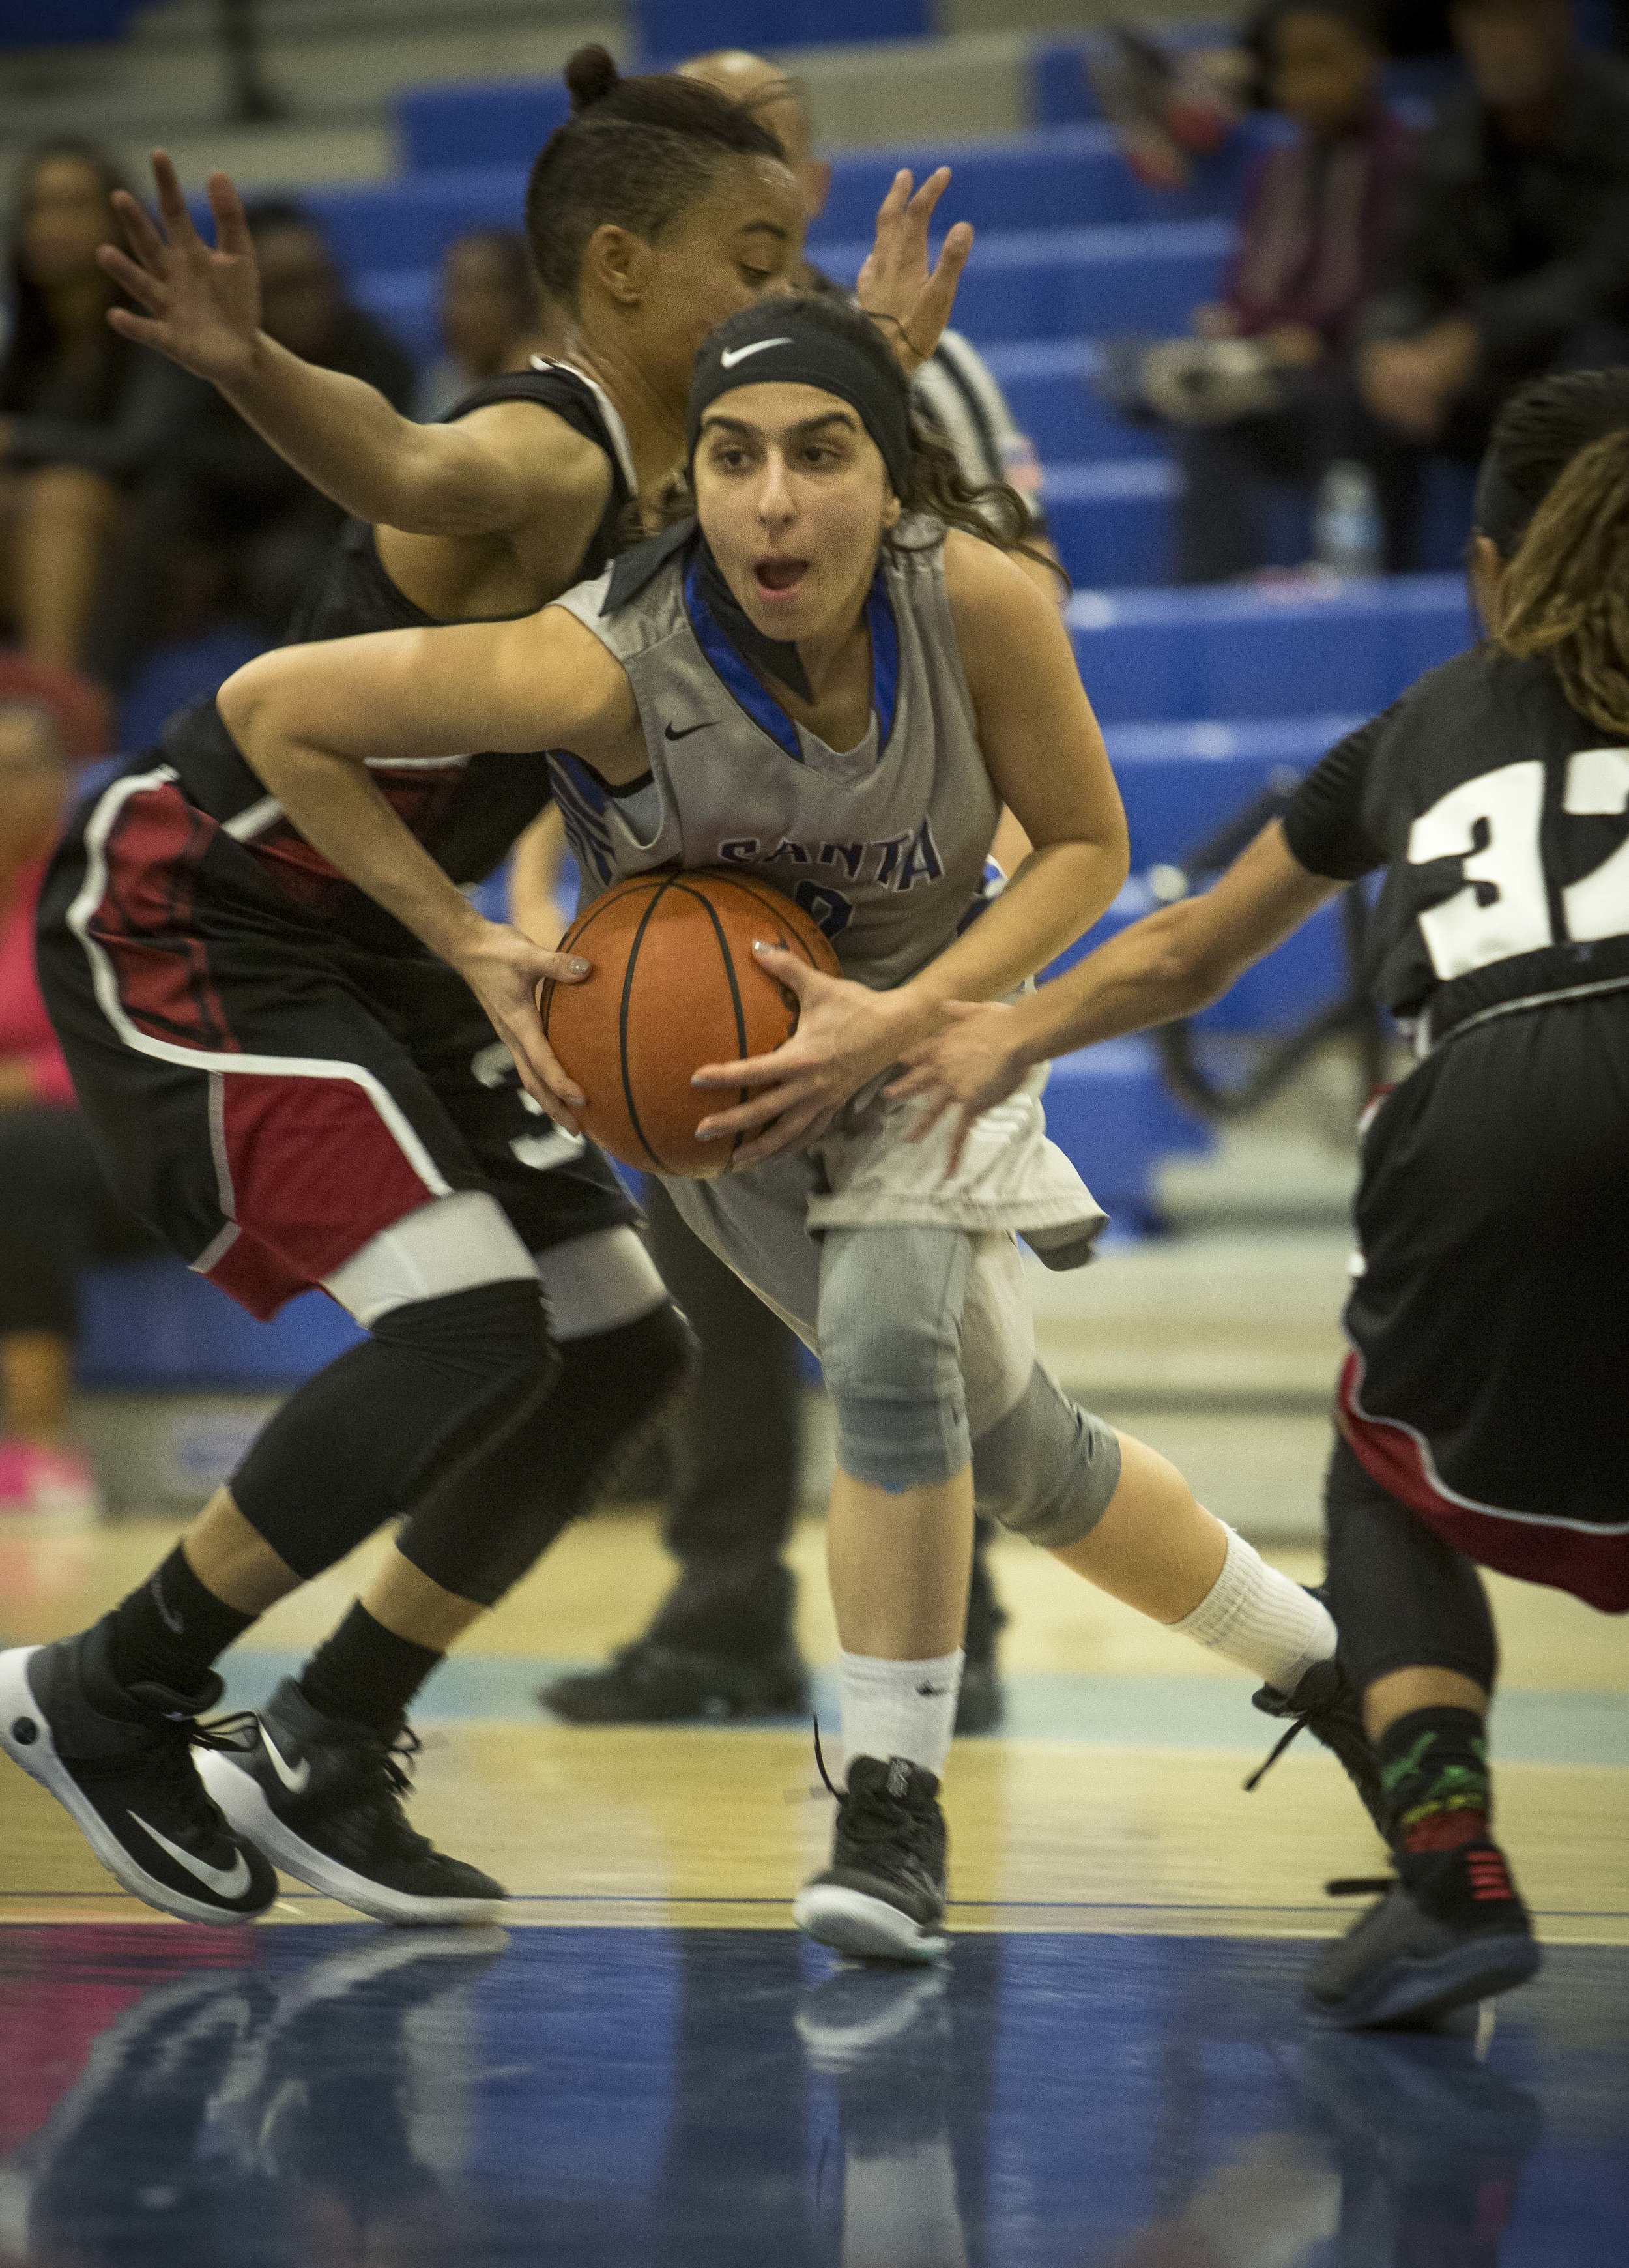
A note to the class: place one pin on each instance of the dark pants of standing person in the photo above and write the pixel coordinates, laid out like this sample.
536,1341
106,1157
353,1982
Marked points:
1219,532
57,1219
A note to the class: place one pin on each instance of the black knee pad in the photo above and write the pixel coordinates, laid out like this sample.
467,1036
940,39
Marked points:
387,1424
1401,1597
558,1457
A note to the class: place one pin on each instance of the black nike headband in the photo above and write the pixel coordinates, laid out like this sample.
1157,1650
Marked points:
782,349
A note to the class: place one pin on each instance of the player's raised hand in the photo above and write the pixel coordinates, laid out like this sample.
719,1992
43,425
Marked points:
846,1034
898,284
968,1066
202,302
506,971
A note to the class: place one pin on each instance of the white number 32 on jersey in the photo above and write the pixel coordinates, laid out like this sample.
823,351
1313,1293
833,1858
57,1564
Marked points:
1504,908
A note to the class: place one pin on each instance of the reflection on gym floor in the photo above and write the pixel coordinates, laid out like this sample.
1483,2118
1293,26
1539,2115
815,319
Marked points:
337,2094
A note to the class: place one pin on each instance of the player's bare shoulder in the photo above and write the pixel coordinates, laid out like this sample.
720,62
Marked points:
1005,623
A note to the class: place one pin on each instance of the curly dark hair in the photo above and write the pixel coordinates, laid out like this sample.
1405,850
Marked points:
634,151
1563,445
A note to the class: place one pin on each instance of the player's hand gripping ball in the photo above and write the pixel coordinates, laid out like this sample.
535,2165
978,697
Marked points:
675,985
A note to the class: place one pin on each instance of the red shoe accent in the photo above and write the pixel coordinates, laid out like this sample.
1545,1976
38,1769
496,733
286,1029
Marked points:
1447,1830
1490,1878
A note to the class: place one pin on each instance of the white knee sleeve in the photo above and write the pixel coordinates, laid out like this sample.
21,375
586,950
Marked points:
451,1244
597,1282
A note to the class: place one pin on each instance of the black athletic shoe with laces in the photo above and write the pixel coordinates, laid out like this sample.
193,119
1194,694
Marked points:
1450,1931
119,1760
882,1898
1328,1706
322,1797
719,1645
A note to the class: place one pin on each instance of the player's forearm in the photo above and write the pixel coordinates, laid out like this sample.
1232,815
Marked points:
1058,892
342,814
1150,974
350,442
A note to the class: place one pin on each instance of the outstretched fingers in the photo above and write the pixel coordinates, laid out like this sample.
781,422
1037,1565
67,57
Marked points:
231,221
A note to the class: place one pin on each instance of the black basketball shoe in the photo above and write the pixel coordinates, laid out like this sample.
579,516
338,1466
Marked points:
1451,1929
119,1760
322,1798
721,1645
882,1898
1328,1706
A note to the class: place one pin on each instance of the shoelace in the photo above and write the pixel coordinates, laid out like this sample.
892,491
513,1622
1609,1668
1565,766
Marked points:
174,1760
394,1756
1263,1769
863,1819
1360,1886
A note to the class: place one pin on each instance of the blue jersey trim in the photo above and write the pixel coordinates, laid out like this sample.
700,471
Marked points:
759,703
737,680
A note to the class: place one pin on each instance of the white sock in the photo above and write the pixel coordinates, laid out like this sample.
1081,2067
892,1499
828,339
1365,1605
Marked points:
899,1708
1253,1615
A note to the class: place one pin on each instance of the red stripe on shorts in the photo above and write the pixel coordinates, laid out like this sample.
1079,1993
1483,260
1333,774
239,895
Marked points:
1593,1567
144,921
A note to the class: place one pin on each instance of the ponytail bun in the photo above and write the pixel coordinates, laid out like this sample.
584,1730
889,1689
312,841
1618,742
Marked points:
590,74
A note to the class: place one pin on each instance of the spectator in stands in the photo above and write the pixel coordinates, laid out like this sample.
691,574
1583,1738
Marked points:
56,1211
83,412
490,310
1514,256
222,525
1315,217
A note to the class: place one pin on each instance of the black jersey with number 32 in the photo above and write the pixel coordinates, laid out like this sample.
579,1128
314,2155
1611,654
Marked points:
1502,818
466,810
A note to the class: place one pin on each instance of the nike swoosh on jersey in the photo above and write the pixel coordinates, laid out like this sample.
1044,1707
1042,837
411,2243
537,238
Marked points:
226,1881
683,732
731,355
295,1778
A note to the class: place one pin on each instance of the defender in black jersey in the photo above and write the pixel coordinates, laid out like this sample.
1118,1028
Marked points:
1482,1413
295,1093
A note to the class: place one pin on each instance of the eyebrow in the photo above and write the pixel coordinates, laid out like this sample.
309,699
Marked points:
716,421
767,228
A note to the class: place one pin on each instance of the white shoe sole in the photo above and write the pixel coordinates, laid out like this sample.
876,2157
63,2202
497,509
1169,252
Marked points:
38,1759
239,1796
864,1928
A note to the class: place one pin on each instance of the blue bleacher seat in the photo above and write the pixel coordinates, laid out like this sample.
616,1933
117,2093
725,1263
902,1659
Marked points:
1109,1109
152,1323
669,29
173,675
1051,283
1297,649
487,122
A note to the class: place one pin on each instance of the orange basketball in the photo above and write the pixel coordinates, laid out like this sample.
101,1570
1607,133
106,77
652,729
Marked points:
675,985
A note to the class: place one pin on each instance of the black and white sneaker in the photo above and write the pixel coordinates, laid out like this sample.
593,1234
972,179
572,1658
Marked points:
322,1798
1452,1930
882,1898
1327,1704
119,1760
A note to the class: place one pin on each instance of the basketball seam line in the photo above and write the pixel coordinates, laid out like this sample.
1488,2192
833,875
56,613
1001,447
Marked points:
727,958
628,998
788,943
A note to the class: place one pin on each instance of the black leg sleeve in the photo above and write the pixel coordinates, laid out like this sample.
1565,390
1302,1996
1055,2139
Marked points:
554,1460
738,1425
406,1422
1402,1599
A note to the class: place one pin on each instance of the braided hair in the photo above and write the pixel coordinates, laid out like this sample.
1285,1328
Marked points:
635,152
1563,447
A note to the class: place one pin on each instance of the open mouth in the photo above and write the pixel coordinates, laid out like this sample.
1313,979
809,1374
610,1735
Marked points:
778,578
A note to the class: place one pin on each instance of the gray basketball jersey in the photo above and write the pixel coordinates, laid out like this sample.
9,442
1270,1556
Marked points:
884,845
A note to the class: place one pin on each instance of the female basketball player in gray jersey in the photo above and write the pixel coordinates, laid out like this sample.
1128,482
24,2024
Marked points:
832,679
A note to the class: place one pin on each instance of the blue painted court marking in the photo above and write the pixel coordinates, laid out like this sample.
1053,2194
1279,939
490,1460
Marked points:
1113,1712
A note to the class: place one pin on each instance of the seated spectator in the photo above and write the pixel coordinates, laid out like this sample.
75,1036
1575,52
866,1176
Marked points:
83,412
1283,404
223,526
1514,258
56,1213
490,310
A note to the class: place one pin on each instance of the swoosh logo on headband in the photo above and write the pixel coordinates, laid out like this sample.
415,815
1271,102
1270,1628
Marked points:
731,355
